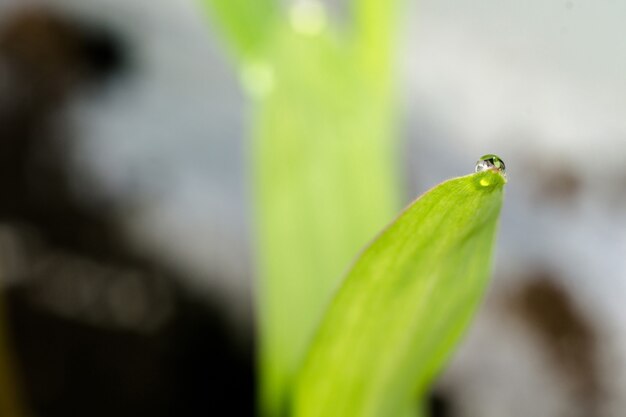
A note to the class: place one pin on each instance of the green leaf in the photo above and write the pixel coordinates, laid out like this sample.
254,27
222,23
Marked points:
245,24
375,25
325,183
324,165
403,305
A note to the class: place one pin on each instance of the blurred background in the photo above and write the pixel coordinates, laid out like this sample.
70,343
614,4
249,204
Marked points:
126,257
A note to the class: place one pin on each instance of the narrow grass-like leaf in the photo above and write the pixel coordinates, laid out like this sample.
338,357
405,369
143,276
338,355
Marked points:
325,183
246,24
324,171
404,304
374,31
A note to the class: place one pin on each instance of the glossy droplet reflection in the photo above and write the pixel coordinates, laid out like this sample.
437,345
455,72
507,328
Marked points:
491,162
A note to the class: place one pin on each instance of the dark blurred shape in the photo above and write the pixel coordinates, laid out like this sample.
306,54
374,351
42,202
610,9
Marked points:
566,333
100,329
44,59
188,367
103,52
556,181
439,405
48,55
564,184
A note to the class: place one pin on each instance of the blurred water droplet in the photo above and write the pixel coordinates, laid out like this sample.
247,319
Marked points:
308,17
492,163
257,78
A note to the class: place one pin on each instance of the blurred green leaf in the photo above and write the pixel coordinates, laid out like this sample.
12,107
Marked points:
404,304
374,33
245,24
325,182
324,163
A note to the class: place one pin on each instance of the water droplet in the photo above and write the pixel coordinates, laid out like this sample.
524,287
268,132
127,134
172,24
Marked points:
257,78
492,163
308,17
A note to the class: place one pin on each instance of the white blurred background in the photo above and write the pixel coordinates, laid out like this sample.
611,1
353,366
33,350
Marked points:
540,83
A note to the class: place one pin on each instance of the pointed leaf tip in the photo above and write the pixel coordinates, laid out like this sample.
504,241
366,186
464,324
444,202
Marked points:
404,304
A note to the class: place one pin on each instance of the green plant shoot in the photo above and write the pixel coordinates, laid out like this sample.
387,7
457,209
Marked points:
324,169
404,304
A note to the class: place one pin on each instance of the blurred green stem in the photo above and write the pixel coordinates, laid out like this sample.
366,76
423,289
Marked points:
246,24
323,162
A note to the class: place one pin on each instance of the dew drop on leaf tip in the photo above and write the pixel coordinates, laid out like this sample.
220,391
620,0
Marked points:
491,162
